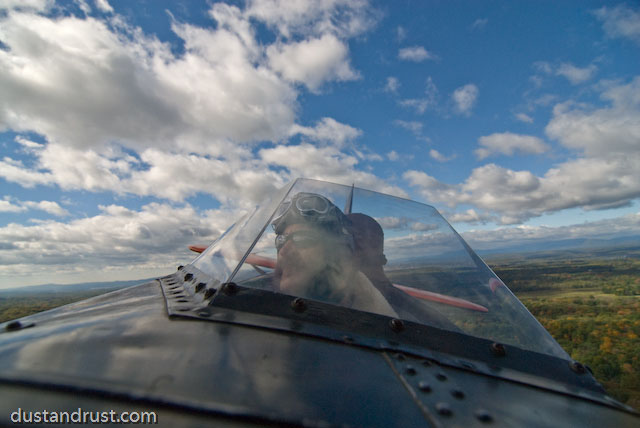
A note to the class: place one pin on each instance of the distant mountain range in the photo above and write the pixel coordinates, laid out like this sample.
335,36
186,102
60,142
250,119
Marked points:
612,247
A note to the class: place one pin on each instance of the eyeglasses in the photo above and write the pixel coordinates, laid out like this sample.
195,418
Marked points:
301,239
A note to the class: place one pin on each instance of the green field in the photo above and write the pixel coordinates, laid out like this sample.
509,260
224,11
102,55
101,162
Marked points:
591,306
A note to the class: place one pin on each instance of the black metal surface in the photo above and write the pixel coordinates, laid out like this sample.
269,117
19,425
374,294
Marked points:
261,361
123,346
259,308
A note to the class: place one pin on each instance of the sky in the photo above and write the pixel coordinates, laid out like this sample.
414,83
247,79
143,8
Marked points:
130,130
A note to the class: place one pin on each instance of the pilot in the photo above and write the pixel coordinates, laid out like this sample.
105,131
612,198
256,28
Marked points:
369,258
315,256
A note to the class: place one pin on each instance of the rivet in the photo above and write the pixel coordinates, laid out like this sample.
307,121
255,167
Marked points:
483,416
13,326
577,367
230,288
498,349
188,277
209,292
410,370
200,287
424,386
400,356
444,409
457,394
396,325
441,377
298,304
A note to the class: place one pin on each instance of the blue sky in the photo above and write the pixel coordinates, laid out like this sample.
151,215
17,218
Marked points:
129,130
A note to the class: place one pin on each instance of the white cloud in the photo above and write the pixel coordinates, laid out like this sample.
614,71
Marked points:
603,176
620,21
464,98
522,235
343,18
7,207
413,126
116,239
523,117
479,23
401,33
392,85
508,143
603,131
393,156
104,6
329,131
313,61
325,163
430,99
434,154
415,54
574,74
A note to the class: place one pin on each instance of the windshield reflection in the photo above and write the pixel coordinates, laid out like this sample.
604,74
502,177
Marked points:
379,254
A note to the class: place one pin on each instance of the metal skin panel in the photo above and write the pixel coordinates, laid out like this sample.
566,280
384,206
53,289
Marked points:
124,345
122,351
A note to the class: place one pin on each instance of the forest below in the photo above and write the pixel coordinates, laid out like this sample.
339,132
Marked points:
590,305
592,308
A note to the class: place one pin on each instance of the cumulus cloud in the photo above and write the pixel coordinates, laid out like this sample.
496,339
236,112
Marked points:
325,163
117,239
508,143
464,98
576,75
627,225
328,130
343,18
604,131
605,139
620,21
415,54
312,62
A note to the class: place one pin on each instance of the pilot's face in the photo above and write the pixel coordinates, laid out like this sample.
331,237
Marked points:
301,258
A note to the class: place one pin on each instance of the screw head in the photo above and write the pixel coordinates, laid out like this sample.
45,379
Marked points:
188,277
298,304
577,367
424,386
200,287
209,292
230,288
498,349
444,409
458,393
483,416
396,325
410,370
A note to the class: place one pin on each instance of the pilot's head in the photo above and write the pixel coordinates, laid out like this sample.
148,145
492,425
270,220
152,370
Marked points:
369,241
314,241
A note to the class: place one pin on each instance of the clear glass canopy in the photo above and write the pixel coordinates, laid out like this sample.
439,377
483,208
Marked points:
376,253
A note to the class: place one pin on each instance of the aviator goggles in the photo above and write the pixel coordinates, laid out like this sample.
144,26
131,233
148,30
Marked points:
306,204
